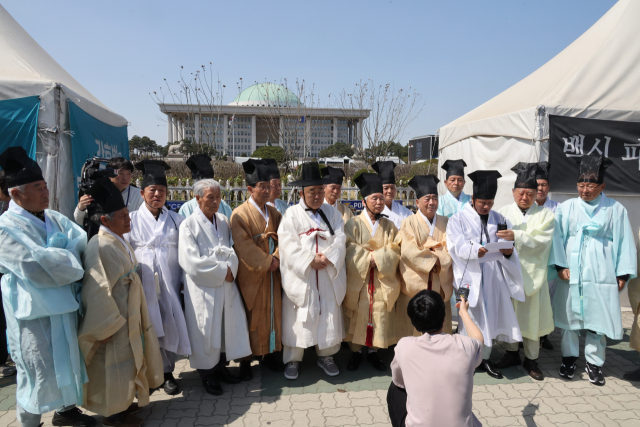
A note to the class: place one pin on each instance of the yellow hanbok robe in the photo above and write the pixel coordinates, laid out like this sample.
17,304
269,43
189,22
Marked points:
384,249
129,364
344,211
533,234
425,263
634,299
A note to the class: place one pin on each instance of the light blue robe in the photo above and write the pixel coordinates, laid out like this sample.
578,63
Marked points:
190,207
281,206
448,205
594,240
41,263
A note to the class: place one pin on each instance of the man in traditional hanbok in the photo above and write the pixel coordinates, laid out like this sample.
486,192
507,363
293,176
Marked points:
489,270
41,265
201,168
394,209
634,339
373,282
276,187
312,246
130,195
532,232
253,227
333,191
116,335
154,238
595,254
455,199
425,263
214,311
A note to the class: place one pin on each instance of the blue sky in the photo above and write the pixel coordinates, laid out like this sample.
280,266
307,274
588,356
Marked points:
457,54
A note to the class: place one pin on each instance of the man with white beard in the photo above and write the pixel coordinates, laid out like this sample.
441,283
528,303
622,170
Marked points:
492,275
312,246
214,310
154,238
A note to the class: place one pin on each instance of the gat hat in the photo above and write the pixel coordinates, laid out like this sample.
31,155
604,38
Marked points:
526,175
274,172
385,171
368,183
200,166
454,167
424,185
335,175
310,176
485,184
592,168
543,170
153,172
19,168
106,196
256,171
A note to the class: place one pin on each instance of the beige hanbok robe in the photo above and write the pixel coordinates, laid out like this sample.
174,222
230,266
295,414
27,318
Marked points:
634,299
129,364
425,263
384,249
344,210
251,242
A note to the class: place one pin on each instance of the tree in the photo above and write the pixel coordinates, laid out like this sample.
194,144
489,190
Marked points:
339,149
276,153
142,147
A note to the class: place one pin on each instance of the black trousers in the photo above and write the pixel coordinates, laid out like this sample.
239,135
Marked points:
397,405
3,334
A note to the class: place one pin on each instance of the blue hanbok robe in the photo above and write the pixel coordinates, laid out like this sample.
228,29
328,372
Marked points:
594,240
448,205
280,205
41,263
190,207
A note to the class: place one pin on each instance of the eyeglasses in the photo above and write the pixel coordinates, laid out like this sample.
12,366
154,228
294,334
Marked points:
584,186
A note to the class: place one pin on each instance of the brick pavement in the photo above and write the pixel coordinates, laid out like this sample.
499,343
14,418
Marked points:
360,398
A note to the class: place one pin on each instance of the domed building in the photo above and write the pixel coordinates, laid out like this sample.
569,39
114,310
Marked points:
263,114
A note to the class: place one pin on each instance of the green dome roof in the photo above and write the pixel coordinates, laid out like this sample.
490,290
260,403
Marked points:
265,95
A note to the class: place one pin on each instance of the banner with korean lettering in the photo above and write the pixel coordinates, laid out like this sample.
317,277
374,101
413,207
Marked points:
570,138
92,138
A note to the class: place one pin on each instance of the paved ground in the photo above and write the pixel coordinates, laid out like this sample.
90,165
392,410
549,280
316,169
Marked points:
360,398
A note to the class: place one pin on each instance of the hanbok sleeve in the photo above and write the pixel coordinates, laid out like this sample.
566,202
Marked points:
558,256
624,245
297,258
357,264
206,270
337,250
246,248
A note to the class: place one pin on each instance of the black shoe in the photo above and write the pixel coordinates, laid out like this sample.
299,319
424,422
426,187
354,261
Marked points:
632,376
595,374
375,360
223,375
354,361
490,369
73,417
545,343
246,374
273,361
532,368
568,367
170,385
212,386
510,358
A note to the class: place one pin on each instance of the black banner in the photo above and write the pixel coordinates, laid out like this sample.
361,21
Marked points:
570,138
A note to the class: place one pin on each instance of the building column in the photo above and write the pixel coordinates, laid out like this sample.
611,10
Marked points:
360,134
169,129
335,130
197,128
183,129
306,142
253,134
281,132
179,128
174,127
225,134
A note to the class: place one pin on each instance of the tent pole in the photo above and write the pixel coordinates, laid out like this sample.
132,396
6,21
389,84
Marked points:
58,143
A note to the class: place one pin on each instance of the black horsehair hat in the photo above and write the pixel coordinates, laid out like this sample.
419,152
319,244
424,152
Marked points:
335,175
106,196
200,166
368,183
592,168
543,170
454,167
424,185
153,172
485,184
526,175
274,172
310,176
19,168
385,171
256,170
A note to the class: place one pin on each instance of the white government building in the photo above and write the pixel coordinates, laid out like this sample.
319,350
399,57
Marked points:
263,114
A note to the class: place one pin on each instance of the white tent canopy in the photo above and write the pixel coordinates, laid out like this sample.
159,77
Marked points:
27,70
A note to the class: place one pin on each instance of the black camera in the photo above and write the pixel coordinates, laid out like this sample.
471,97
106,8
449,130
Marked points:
502,225
93,170
463,291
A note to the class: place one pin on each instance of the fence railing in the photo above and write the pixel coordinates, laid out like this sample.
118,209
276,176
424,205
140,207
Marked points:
236,195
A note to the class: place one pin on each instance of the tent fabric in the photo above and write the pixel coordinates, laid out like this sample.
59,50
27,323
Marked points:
19,123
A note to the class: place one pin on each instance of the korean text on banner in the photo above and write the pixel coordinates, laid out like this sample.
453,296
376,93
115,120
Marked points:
19,124
93,138
570,138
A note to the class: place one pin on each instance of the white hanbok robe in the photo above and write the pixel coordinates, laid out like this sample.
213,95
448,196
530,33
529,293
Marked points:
156,247
550,204
397,213
311,313
205,255
493,279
